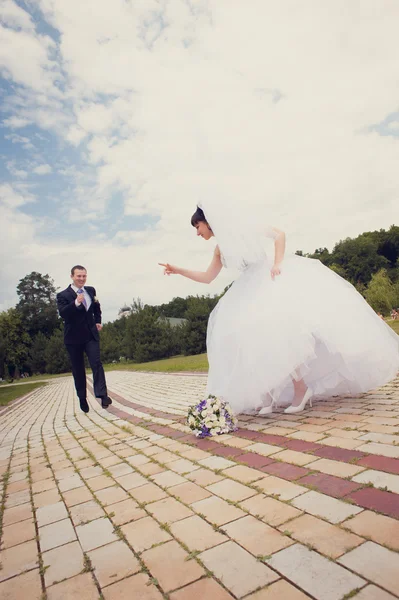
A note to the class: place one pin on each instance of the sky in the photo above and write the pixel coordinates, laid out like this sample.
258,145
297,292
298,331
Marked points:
118,116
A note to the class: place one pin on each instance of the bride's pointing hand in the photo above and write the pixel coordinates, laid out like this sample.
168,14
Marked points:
275,270
169,269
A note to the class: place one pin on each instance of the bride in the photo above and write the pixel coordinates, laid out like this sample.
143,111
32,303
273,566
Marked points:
286,331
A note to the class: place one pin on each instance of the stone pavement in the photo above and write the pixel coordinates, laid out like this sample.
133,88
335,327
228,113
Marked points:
126,504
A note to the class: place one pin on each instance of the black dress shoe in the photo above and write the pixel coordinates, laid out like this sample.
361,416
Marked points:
83,405
105,401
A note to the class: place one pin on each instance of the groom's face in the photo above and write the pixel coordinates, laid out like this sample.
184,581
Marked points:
79,277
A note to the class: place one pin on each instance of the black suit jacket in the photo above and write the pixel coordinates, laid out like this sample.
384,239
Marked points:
79,323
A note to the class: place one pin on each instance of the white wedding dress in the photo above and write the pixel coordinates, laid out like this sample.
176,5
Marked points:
307,323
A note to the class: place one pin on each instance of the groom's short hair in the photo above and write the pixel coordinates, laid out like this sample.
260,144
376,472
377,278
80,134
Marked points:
77,267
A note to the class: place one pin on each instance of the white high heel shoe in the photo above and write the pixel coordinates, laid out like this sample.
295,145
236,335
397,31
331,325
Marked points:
300,407
267,410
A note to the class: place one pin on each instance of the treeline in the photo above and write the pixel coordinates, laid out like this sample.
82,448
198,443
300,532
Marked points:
370,263
31,338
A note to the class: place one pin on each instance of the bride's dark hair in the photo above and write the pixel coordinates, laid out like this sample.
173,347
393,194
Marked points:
198,217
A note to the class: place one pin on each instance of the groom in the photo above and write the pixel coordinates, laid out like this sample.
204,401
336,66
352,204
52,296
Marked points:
81,312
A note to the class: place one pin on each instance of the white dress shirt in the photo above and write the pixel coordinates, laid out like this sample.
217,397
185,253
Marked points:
86,295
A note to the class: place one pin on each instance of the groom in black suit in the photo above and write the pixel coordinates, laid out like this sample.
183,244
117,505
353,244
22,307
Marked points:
81,312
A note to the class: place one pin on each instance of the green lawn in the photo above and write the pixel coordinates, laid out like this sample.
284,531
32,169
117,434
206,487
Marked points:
7,394
394,325
167,365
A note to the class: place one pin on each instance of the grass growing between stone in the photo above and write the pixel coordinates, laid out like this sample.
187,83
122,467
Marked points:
12,392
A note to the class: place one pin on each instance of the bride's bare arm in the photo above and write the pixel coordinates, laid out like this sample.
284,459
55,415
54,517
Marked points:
279,246
201,276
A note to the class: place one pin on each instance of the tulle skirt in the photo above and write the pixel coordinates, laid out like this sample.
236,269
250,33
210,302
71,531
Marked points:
309,323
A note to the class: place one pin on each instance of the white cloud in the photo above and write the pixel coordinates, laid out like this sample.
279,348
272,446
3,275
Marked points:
270,106
14,16
15,122
42,169
13,197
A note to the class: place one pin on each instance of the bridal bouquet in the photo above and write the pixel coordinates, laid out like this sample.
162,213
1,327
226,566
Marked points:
211,416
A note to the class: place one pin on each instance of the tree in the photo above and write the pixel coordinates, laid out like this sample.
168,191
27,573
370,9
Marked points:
37,304
37,361
381,293
57,359
199,309
147,337
15,342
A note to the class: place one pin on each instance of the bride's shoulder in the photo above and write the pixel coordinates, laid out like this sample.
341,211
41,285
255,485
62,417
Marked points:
217,251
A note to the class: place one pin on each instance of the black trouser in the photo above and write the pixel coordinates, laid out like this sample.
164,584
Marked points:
76,354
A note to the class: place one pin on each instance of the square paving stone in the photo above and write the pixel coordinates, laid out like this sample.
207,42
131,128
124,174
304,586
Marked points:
18,498
285,471
231,490
71,483
131,481
319,505
378,564
204,477
333,467
280,590
125,511
56,534
18,486
379,480
120,469
380,529
271,511
189,492
216,462
62,563
100,483
371,592
263,449
196,533
217,511
377,500
231,564
27,585
204,588
77,496
18,533
18,559
243,474
113,562
329,484
315,574
253,460
183,466
280,487
46,498
330,540
81,586
137,587
169,564
148,493
144,533
168,479
151,468
44,486
51,513
138,460
169,510
96,533
256,537
88,511
295,458
111,495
